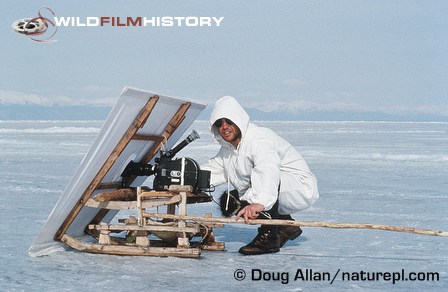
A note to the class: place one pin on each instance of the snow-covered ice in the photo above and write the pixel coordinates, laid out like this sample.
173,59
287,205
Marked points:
368,172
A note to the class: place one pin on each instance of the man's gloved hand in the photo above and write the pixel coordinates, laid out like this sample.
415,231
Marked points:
230,203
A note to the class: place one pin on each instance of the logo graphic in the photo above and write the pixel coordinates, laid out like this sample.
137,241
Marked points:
38,29
42,28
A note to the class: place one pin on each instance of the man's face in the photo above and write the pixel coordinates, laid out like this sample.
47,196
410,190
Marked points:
228,131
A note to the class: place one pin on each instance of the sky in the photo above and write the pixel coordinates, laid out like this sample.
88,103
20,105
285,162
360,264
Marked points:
384,57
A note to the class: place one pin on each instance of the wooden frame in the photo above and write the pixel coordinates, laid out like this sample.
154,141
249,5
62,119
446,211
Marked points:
177,197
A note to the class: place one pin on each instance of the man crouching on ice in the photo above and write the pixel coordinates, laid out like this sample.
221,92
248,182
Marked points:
271,179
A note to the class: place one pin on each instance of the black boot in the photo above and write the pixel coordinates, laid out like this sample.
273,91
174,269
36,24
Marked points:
266,241
286,233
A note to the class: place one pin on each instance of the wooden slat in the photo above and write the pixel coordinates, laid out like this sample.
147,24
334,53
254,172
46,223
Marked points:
123,194
130,250
127,205
136,125
133,227
154,194
148,138
108,185
111,205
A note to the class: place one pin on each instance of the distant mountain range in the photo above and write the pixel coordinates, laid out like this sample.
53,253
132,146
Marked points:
38,112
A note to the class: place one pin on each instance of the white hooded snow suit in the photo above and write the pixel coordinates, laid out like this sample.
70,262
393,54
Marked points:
262,161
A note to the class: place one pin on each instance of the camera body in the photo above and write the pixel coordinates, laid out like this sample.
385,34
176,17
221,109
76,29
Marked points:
181,171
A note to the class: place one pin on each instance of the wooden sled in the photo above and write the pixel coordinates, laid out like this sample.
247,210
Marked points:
131,236
138,127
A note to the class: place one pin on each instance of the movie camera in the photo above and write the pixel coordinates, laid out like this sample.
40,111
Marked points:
169,171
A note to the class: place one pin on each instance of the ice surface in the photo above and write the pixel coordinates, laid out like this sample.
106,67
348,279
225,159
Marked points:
368,172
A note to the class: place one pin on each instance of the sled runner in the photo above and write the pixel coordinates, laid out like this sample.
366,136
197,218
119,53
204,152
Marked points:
138,127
